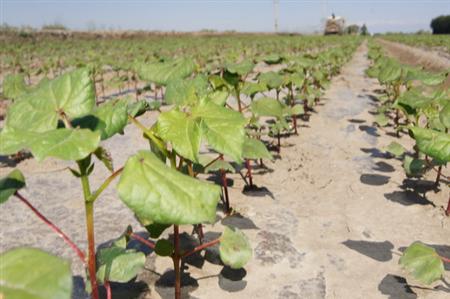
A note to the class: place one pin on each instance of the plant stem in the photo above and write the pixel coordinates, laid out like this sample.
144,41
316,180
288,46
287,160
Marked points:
238,98
444,259
150,135
56,229
438,177
105,184
176,261
225,188
89,208
91,247
249,172
201,247
108,289
142,240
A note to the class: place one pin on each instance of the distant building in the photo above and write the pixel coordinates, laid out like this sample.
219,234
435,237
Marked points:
334,25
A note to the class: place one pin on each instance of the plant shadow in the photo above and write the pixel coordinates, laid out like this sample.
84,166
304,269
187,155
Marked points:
396,287
374,179
379,251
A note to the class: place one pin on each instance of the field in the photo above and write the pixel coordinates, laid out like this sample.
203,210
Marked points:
224,166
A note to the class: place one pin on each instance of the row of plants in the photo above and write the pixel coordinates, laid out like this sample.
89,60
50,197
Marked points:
229,110
115,62
417,103
427,41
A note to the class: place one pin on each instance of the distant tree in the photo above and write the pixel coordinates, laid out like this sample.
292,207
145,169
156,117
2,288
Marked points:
352,29
441,25
364,30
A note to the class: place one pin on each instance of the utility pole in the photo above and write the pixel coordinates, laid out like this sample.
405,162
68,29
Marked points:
275,14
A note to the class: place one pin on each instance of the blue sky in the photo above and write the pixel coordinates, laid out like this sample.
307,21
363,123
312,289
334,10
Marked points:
242,15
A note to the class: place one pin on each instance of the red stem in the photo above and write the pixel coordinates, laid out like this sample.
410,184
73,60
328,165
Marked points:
108,289
249,172
56,229
201,247
446,260
142,240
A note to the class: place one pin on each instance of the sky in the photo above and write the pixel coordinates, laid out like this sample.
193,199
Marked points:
241,15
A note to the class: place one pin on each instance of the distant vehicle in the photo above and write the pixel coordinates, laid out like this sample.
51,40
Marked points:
334,25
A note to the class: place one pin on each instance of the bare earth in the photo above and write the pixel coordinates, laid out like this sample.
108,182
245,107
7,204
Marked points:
429,59
331,224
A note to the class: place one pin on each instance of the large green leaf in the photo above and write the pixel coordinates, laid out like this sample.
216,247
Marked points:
251,88
182,131
162,72
112,117
444,115
413,167
241,69
423,262
255,149
28,273
268,107
414,99
271,79
14,86
10,184
218,97
180,92
118,264
160,194
392,71
222,127
71,94
235,249
433,143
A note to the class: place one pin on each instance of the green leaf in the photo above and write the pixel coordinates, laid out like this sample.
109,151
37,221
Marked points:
113,118
182,131
181,92
240,69
163,195
137,108
65,144
163,248
28,273
444,116
413,167
156,229
223,128
39,111
255,149
117,264
10,184
251,88
423,262
218,97
205,160
162,72
235,249
381,119
271,79
392,71
395,149
14,86
268,107
295,110
105,157
433,143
